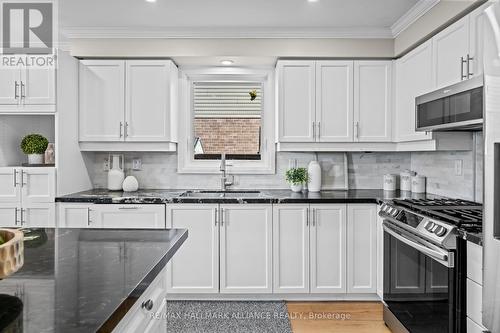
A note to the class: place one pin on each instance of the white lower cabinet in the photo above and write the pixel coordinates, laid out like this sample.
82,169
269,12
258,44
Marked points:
246,248
195,267
474,287
361,248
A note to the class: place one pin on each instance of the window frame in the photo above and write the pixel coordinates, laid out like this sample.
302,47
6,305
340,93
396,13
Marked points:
186,161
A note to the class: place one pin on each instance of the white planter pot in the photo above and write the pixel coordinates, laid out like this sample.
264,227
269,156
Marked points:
296,187
35,158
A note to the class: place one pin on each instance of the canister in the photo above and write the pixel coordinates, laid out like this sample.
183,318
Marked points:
418,184
405,180
390,182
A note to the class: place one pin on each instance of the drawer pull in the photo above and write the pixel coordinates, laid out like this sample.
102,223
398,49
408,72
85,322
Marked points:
128,208
148,305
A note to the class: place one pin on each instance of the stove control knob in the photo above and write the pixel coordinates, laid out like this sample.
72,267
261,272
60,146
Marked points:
440,231
429,226
395,212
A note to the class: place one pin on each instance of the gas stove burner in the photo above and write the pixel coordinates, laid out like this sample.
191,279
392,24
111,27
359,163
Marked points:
431,203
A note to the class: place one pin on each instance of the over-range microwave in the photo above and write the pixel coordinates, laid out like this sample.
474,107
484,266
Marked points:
456,107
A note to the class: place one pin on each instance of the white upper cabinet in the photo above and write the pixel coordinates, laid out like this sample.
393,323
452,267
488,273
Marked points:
38,86
102,100
413,78
372,101
477,19
296,101
10,189
246,249
334,101
450,49
128,102
149,96
10,85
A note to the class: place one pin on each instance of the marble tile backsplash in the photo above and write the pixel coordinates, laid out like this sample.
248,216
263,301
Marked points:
364,170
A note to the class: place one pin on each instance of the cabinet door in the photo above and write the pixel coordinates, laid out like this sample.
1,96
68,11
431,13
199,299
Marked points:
290,249
102,100
448,48
361,248
147,108
245,249
477,20
413,78
73,215
334,101
38,185
200,251
38,215
38,86
10,215
10,86
328,248
296,101
128,216
10,186
372,101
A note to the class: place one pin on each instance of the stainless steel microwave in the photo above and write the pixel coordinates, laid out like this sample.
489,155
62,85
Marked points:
457,107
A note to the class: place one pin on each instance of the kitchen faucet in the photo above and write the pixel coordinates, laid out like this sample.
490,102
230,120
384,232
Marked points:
225,180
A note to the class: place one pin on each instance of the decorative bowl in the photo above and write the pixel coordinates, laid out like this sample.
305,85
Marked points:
11,252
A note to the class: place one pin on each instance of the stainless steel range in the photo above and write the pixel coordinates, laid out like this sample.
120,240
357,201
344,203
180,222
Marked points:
425,262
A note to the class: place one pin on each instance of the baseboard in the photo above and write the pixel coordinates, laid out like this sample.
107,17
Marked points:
274,297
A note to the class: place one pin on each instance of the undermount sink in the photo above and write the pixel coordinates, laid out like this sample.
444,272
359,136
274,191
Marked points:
221,194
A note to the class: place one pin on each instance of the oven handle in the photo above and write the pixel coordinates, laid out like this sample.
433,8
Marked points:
440,256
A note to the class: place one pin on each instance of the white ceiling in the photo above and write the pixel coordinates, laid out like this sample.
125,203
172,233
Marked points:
237,18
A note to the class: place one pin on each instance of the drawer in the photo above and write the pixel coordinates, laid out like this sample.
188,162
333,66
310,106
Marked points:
139,319
475,262
473,327
474,301
128,216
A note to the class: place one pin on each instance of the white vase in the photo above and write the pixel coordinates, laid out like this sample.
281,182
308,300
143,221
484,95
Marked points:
116,174
314,171
296,187
130,184
35,158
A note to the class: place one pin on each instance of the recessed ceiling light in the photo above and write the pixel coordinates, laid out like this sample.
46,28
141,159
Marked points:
150,0
312,0
227,62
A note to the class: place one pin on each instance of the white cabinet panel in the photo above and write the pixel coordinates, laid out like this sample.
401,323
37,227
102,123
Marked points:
296,101
147,113
195,267
38,86
10,215
475,262
128,216
334,101
10,86
38,215
38,185
413,78
448,48
361,248
245,249
477,19
102,100
291,249
328,248
474,301
372,101
10,187
73,215
473,327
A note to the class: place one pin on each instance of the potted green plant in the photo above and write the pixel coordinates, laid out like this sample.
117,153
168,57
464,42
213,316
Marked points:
296,177
34,145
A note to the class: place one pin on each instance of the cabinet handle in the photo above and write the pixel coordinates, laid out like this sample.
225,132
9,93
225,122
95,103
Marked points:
15,178
16,218
314,217
121,128
356,129
16,87
307,217
222,217
88,217
126,129
148,305
216,211
24,180
462,76
23,212
23,90
129,208
319,130
314,130
469,73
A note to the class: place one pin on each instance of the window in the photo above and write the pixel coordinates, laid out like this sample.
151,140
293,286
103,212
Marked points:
226,111
227,120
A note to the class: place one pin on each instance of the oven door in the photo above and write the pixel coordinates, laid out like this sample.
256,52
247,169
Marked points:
419,283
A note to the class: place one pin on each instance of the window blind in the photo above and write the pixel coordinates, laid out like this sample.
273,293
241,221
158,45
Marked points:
227,99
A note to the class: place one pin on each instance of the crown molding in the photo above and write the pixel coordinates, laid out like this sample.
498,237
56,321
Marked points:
415,12
236,32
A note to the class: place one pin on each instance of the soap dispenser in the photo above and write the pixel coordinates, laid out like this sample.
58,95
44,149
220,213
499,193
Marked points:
115,173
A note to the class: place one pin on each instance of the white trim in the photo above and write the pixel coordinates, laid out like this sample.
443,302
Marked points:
415,12
276,297
186,161
229,32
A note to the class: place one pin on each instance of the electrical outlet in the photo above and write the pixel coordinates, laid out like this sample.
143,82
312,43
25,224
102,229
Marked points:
105,165
136,164
459,167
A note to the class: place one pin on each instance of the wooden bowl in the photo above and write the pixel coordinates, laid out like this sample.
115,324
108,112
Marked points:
11,252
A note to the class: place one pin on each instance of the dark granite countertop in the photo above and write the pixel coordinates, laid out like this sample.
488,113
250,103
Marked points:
82,280
237,196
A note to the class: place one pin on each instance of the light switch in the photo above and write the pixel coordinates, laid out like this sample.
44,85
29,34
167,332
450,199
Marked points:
136,164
